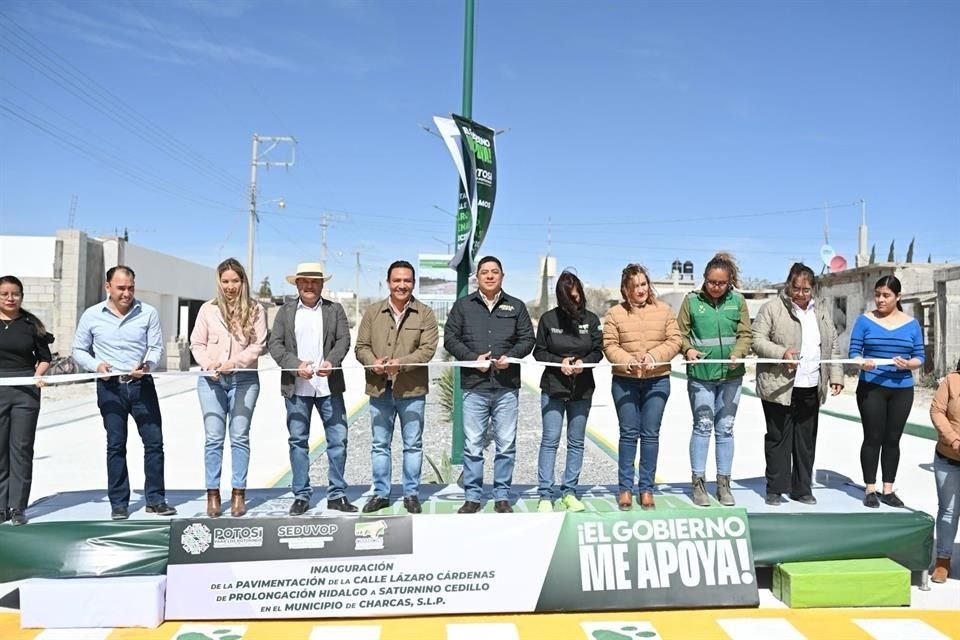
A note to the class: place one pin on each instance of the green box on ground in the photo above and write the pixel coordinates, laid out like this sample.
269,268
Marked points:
874,582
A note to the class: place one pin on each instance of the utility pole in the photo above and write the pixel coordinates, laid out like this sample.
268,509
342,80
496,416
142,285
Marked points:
325,221
258,158
356,293
463,269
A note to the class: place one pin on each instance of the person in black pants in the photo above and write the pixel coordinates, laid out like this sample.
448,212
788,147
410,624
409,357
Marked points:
120,339
885,391
570,336
794,326
24,351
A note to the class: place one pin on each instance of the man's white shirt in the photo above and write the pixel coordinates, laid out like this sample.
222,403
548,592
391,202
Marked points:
308,328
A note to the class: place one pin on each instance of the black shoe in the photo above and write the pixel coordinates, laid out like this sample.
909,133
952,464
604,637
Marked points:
375,503
161,509
17,517
773,499
871,500
299,507
889,499
119,513
342,504
502,506
4,515
807,499
469,507
412,504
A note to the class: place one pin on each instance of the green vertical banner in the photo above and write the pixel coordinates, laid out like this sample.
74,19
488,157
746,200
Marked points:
474,154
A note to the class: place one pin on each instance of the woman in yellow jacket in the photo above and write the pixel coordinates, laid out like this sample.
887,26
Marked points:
638,333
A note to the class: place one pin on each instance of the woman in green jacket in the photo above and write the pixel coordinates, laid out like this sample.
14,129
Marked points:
715,325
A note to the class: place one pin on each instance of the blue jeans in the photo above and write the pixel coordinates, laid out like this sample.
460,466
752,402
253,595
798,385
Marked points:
948,497
499,408
230,398
384,412
714,407
334,415
117,401
640,405
552,410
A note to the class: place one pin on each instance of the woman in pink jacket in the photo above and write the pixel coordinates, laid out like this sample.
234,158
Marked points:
229,336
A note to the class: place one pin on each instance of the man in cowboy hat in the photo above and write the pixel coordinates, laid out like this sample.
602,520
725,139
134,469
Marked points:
311,336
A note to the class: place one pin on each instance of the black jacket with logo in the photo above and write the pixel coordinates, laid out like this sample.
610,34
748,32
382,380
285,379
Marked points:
472,329
558,338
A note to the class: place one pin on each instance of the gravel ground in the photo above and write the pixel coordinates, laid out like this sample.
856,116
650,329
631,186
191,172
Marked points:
598,468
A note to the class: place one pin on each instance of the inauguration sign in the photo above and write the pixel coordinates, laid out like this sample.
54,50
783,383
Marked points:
228,569
473,149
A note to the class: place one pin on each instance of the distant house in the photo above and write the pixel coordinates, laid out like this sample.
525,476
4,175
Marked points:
931,294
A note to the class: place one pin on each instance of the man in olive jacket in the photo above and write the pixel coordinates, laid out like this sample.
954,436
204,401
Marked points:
489,326
310,337
396,338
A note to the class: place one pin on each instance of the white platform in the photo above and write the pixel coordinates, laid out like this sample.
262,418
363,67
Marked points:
134,601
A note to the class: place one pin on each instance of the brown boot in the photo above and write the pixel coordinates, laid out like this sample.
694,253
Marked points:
941,570
646,501
213,503
237,507
625,500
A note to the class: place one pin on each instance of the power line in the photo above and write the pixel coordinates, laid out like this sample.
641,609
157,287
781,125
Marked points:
629,222
46,61
104,157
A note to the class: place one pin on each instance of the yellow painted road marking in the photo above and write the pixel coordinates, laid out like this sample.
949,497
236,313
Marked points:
812,624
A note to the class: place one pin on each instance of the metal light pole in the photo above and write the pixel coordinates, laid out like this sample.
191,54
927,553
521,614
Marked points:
258,159
463,269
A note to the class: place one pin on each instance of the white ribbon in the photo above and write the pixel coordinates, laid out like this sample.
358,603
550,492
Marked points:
465,364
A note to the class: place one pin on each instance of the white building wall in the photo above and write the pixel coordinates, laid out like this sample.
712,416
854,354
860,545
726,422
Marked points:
63,275
27,256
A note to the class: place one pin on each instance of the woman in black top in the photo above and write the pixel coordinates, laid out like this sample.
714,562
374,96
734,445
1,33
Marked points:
24,351
570,336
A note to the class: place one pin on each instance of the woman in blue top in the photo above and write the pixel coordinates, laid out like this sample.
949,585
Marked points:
885,392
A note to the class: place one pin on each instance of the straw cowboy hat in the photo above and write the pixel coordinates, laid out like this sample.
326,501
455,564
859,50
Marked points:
309,271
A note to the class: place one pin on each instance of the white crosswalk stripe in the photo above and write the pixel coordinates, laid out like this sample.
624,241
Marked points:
73,634
899,628
346,632
483,631
752,628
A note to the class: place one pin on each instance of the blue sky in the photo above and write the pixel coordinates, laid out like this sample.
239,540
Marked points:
644,131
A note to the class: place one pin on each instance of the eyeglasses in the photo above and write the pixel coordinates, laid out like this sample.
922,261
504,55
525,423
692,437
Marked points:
719,284
8,294
806,291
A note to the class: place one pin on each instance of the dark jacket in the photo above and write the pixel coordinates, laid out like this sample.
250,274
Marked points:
557,338
472,329
336,343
